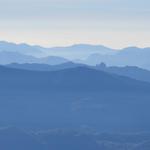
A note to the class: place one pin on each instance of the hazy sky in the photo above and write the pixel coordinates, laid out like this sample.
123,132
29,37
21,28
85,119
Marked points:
114,23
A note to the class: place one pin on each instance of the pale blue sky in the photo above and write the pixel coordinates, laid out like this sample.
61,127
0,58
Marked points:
114,23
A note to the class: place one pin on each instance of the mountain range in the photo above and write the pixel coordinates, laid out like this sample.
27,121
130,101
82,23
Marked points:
44,67
68,98
72,79
131,56
71,52
80,53
15,57
20,48
71,98
128,71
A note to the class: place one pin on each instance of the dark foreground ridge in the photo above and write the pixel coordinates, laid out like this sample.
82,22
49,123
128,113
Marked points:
72,98
78,79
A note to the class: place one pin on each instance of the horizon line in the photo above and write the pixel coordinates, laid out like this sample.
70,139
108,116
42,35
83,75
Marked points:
70,45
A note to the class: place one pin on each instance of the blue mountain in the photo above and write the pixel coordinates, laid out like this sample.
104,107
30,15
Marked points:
20,48
79,51
71,98
128,71
129,56
84,53
44,67
70,52
73,79
16,57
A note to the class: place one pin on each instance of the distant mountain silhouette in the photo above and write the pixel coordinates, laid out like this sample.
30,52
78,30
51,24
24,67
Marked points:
11,57
79,51
128,56
84,53
20,48
70,52
129,71
44,67
15,57
52,60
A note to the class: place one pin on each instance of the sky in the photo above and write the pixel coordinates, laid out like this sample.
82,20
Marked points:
113,23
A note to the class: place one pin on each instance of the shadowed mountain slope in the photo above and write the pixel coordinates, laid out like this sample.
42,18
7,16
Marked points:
129,71
44,67
74,79
72,98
